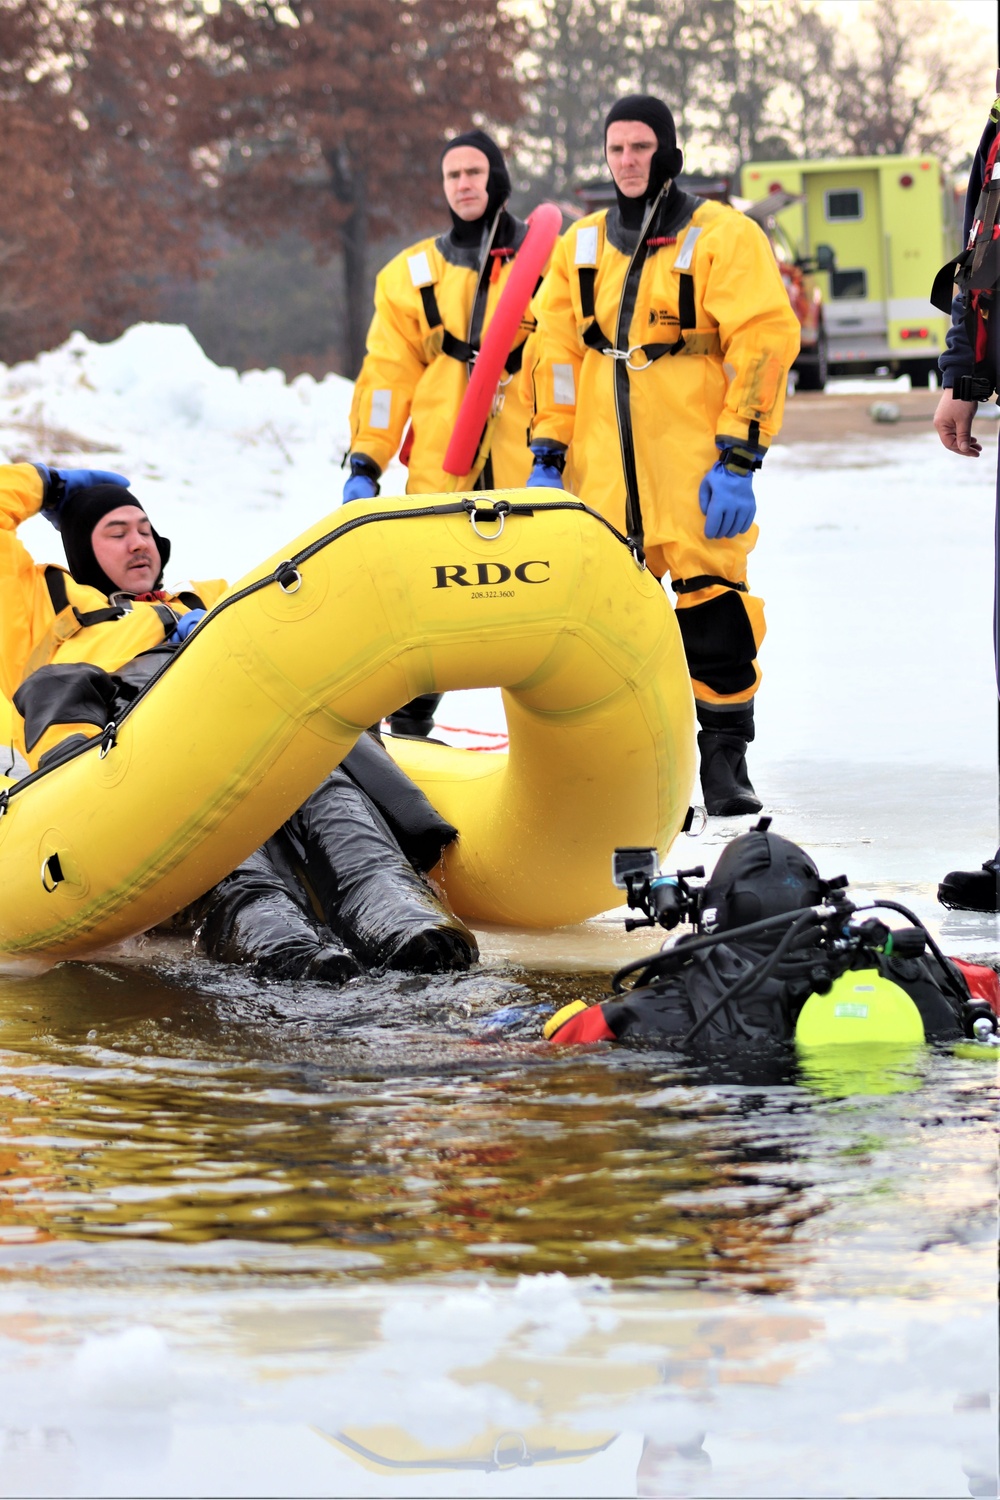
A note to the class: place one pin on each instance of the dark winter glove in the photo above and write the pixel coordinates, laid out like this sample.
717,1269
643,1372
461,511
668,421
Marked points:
185,625
550,460
61,484
363,483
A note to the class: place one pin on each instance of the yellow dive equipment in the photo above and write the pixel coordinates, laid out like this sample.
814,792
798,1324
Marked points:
860,1006
389,598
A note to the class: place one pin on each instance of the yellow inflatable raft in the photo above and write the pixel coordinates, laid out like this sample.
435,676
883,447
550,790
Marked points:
386,599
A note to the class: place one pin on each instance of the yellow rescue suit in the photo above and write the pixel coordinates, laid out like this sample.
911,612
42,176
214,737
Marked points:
712,337
34,633
419,343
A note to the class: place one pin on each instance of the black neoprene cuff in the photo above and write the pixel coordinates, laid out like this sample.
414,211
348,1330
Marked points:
362,464
740,460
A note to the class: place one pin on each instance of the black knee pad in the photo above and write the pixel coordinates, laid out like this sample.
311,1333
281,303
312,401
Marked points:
719,644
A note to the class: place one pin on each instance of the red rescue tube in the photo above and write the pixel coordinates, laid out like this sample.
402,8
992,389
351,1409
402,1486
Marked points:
544,225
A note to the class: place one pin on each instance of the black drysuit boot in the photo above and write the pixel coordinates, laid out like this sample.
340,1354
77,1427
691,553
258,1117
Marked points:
251,918
368,891
972,890
415,719
722,743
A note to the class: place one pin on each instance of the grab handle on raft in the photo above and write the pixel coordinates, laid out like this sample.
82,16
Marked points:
52,869
498,513
289,578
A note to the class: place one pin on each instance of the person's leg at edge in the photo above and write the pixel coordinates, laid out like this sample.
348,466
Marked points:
722,626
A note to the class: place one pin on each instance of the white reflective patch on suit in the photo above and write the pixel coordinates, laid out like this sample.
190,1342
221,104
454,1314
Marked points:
563,385
420,269
683,261
381,409
586,246
730,370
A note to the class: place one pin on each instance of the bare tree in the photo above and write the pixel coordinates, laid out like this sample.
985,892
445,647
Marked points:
887,90
583,54
327,117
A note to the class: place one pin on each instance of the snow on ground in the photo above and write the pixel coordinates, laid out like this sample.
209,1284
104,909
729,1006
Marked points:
877,721
229,465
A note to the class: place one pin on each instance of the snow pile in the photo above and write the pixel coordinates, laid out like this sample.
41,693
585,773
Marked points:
230,466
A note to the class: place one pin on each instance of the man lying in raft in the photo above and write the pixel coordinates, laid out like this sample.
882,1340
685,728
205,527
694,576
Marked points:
341,885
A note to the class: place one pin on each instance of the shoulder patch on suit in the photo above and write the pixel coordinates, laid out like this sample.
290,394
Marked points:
420,269
683,261
585,253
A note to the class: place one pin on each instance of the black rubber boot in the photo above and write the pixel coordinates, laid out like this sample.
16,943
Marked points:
368,891
972,890
415,720
250,918
722,743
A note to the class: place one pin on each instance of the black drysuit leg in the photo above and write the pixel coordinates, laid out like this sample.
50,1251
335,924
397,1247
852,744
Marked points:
369,893
251,918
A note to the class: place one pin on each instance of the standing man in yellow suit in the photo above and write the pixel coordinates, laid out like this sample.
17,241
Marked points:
658,375
433,305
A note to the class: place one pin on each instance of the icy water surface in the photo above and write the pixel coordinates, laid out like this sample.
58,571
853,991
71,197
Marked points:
284,1240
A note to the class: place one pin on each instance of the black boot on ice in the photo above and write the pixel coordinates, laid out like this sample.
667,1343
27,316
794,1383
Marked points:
722,743
415,720
972,890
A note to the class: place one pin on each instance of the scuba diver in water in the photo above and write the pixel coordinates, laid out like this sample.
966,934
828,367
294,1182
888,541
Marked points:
658,372
776,954
433,305
341,885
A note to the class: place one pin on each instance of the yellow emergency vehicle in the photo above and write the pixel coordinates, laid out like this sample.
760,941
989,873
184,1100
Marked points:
877,227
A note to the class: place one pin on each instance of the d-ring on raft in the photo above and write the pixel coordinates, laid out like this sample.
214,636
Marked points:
387,599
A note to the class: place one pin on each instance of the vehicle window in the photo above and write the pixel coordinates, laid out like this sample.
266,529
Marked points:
849,283
845,203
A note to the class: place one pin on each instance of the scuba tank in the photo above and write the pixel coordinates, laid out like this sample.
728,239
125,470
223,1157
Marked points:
776,954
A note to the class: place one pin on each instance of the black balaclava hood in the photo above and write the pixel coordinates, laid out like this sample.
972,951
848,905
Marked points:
470,231
666,161
77,519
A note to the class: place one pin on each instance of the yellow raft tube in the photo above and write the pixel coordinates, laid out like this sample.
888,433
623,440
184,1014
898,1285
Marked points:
386,599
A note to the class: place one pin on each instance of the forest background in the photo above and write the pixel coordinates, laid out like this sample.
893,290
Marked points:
246,166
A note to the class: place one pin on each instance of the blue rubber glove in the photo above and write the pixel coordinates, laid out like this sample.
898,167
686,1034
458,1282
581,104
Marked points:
726,501
547,471
360,487
185,625
62,484
363,483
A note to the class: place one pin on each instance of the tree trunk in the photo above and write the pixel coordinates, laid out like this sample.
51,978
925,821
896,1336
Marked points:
348,185
358,313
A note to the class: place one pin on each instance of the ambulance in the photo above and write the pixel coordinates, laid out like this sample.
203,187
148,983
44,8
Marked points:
872,231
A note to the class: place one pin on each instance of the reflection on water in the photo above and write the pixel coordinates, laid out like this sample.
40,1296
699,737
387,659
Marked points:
540,1386
178,1133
